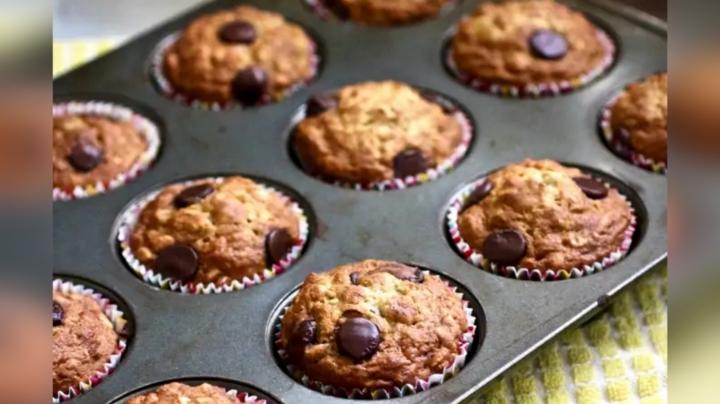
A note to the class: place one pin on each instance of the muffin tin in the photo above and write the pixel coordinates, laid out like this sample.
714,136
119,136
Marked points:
229,336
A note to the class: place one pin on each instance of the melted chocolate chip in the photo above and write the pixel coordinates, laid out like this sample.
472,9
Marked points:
404,272
277,245
241,32
250,85
85,155
357,338
410,162
479,193
192,195
355,278
57,314
548,44
592,188
177,262
305,332
447,106
505,247
320,103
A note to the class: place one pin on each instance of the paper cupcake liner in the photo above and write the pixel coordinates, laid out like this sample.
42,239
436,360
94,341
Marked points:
612,139
114,111
536,90
162,84
148,275
464,343
476,258
116,316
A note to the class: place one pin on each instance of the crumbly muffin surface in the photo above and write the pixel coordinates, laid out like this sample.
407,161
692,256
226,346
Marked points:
419,321
383,12
564,228
120,144
83,341
227,228
373,122
200,64
642,111
179,393
492,44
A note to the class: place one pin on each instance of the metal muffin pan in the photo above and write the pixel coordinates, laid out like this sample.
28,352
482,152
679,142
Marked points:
229,336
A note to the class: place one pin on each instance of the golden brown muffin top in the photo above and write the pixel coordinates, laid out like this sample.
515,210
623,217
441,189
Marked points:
563,227
417,319
642,111
92,148
226,225
396,12
204,66
83,340
179,393
372,123
493,43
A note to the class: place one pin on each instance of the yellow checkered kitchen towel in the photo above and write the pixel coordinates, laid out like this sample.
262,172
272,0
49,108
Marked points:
619,357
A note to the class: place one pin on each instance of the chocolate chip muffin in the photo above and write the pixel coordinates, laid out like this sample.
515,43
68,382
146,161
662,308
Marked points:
182,393
84,339
638,118
242,54
377,131
383,12
521,43
215,230
91,149
542,215
373,325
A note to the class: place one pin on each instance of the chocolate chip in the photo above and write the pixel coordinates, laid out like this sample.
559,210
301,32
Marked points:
305,332
404,272
57,314
338,8
548,44
505,247
192,195
238,32
319,103
277,245
250,85
355,278
85,155
177,262
358,338
479,193
447,106
592,188
410,162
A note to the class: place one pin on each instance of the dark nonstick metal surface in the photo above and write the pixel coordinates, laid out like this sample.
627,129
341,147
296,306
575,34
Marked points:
228,336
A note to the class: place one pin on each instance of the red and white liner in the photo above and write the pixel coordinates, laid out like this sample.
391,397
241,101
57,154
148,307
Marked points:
156,71
463,344
110,110
537,90
613,140
116,317
476,258
130,217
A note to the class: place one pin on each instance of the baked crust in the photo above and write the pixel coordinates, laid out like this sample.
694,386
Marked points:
173,393
373,122
396,12
227,228
420,325
563,227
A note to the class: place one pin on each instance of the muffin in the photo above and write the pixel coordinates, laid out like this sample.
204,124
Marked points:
240,55
383,12
543,216
216,230
84,340
638,119
536,44
373,325
376,132
181,393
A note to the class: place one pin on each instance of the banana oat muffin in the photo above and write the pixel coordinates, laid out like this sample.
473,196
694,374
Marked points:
639,117
542,215
180,393
88,149
214,230
373,324
383,12
376,131
84,339
242,54
531,42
